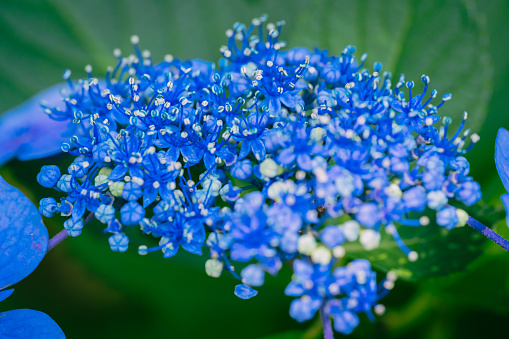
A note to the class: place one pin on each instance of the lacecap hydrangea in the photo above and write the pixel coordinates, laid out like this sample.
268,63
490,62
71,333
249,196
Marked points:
250,157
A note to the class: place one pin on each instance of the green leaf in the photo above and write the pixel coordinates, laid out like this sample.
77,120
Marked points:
441,252
442,39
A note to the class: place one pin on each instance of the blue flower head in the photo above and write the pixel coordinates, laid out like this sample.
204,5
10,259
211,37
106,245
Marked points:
252,157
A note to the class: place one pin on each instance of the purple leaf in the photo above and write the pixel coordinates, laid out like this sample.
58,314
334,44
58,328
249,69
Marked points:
21,324
23,236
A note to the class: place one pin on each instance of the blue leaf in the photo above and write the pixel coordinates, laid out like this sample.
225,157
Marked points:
26,132
245,292
502,156
21,324
23,237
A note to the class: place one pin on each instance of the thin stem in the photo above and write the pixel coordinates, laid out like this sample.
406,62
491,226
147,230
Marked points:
496,238
326,324
57,239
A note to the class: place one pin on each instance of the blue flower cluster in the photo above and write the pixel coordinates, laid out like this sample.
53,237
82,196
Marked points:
250,158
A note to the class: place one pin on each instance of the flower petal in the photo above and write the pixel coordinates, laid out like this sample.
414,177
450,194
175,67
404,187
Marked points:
505,201
26,132
5,294
258,149
245,292
502,156
30,324
23,236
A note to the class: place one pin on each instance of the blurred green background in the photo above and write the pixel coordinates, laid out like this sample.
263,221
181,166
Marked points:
93,292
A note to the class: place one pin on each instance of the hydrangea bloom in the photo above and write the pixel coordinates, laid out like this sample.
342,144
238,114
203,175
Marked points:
250,158
23,243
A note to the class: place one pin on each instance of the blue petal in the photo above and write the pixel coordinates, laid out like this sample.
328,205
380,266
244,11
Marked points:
302,269
288,100
191,155
78,209
505,201
253,275
346,322
149,195
118,173
274,105
172,154
287,156
23,237
294,289
304,308
209,160
396,105
30,324
304,162
245,292
244,149
502,156
240,253
5,294
258,149
132,213
192,247
135,171
26,132
170,252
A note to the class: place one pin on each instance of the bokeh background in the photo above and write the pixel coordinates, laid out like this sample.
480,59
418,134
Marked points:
93,292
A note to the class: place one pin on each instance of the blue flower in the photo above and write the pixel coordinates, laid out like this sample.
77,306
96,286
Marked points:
242,169
23,244
249,229
299,147
253,275
447,217
245,292
281,141
48,176
341,294
190,234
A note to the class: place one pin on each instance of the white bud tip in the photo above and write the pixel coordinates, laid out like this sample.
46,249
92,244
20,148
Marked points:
88,68
142,250
413,256
135,39
67,74
392,276
379,309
